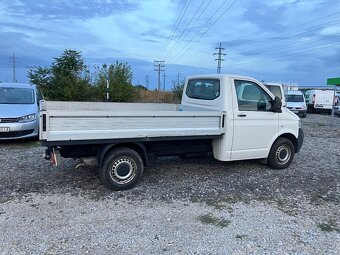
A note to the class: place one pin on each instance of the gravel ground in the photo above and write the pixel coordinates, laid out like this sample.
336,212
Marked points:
190,206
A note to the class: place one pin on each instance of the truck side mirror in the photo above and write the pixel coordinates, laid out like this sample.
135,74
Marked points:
276,105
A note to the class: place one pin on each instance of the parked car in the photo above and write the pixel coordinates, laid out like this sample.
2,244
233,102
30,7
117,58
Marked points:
295,101
337,110
19,110
277,90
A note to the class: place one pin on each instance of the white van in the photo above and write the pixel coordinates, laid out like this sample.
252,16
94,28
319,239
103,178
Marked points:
295,101
319,100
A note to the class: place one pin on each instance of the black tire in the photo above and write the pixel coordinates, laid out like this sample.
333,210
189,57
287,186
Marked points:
122,169
281,154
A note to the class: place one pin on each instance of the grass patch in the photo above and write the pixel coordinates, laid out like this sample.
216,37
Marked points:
28,144
209,219
194,199
328,227
323,196
215,204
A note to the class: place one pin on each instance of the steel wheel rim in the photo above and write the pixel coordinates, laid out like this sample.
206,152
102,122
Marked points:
283,154
123,170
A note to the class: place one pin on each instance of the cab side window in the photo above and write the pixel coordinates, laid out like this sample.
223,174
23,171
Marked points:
251,97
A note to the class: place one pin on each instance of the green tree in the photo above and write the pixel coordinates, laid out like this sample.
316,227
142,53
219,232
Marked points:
177,90
42,77
66,79
119,76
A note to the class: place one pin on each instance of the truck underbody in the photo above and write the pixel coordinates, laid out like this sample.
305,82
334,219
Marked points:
147,149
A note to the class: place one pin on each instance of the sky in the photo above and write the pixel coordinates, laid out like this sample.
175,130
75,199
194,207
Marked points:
289,41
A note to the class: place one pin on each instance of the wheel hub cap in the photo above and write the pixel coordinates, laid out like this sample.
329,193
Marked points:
283,154
123,170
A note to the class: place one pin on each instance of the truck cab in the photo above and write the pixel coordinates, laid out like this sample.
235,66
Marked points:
252,122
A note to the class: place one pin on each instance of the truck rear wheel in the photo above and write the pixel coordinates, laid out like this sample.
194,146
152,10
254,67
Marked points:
122,169
281,154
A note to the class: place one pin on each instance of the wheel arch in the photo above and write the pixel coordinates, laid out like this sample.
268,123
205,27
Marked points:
138,147
290,137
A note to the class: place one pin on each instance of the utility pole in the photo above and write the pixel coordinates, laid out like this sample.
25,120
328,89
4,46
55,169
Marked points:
219,58
164,75
159,64
147,81
107,90
178,74
14,79
158,68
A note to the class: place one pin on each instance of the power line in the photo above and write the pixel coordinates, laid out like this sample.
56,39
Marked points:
219,58
206,23
186,31
280,49
178,21
205,59
294,34
291,53
209,27
287,46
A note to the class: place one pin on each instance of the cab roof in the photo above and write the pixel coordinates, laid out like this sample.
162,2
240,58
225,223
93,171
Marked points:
17,85
219,76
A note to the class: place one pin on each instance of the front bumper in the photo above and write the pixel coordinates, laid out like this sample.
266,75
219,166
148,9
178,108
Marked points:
300,138
20,130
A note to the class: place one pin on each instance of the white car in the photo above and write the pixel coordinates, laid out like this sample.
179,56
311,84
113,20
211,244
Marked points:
337,110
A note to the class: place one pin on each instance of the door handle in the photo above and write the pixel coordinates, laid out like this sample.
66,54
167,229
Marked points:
241,115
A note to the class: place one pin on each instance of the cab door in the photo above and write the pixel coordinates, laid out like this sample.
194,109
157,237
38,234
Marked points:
255,125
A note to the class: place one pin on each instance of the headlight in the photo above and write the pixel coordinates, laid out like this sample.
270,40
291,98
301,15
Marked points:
27,118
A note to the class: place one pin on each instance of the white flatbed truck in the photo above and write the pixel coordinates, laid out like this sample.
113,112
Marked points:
234,117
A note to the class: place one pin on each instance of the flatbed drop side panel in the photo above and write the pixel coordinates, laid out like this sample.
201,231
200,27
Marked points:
101,125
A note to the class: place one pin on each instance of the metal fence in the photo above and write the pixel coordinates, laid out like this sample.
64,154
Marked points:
323,118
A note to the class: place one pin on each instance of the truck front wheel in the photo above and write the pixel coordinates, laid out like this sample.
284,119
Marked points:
281,154
122,169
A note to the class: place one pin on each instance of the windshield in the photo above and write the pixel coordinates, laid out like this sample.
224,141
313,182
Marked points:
16,96
294,98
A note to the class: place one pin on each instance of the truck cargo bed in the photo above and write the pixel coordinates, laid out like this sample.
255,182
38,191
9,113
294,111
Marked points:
92,121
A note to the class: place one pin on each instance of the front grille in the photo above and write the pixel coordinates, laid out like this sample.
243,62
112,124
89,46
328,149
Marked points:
16,133
9,120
